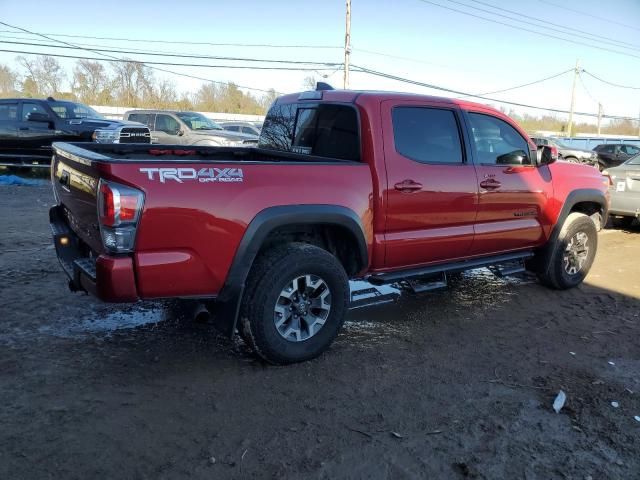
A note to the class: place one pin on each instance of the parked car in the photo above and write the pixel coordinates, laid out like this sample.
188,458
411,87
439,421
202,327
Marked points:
242,127
187,128
28,127
570,154
378,186
625,191
614,154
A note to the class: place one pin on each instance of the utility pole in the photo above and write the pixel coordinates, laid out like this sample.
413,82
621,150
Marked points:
599,117
347,46
576,72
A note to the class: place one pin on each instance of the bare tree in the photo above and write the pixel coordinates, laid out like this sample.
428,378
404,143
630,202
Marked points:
268,98
309,83
134,84
45,74
91,82
8,81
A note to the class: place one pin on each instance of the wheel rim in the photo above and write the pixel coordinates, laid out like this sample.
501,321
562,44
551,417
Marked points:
302,308
576,253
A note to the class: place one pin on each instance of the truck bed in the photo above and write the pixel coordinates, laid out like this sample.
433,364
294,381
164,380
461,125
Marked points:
115,153
198,204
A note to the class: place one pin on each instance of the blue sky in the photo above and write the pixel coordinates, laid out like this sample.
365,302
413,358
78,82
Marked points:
445,47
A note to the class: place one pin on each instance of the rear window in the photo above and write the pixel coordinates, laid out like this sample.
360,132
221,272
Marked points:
8,111
427,135
144,118
324,130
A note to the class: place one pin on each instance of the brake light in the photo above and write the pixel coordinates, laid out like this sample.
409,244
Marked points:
554,152
119,209
106,204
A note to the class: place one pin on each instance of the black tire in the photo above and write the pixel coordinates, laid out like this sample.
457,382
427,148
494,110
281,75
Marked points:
572,159
558,272
621,222
269,276
601,167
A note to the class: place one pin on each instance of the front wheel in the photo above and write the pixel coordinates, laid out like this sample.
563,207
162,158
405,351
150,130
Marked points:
573,253
295,303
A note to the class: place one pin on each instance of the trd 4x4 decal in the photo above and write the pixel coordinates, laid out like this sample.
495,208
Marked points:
202,175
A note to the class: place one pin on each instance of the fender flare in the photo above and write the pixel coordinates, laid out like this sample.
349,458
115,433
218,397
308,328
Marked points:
265,222
541,261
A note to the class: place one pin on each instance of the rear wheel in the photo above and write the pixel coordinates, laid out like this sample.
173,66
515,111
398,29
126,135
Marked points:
295,303
621,222
573,253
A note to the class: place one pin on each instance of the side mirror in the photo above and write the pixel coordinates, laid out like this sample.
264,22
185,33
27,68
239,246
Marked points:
547,155
517,157
180,132
37,117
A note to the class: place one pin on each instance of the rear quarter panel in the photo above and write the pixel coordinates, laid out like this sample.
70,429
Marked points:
189,231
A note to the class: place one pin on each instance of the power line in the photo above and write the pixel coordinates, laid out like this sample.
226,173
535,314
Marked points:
524,84
586,89
209,57
610,83
590,15
520,28
199,65
458,92
186,75
182,42
564,27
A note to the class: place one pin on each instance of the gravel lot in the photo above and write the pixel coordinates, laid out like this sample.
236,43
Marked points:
444,385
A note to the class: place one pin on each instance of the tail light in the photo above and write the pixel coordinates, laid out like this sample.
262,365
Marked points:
554,152
119,209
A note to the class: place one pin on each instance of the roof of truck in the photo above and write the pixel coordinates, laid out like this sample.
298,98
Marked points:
350,96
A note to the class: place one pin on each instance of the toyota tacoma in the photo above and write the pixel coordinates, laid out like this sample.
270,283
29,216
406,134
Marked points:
388,188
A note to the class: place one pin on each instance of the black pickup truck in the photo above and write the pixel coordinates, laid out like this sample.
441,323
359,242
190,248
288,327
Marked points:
29,126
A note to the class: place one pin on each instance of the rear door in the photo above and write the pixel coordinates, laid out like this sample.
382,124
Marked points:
432,187
9,141
36,137
513,190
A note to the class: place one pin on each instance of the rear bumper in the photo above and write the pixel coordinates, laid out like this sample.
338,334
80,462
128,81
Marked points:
109,278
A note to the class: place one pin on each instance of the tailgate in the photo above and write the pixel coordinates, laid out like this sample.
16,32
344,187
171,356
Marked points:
75,182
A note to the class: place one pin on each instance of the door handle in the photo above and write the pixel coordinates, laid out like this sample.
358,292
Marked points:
24,128
408,186
490,184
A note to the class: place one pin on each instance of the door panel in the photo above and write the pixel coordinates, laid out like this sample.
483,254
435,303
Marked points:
431,192
36,137
513,190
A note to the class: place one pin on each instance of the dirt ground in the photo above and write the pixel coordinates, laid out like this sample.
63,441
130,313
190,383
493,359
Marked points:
441,385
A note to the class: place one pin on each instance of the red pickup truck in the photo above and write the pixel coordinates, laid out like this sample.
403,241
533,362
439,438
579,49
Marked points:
384,187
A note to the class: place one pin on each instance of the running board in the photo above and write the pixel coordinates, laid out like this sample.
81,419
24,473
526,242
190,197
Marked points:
392,277
363,294
428,285
508,268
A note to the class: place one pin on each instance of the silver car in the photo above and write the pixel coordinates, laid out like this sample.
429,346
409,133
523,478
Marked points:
625,192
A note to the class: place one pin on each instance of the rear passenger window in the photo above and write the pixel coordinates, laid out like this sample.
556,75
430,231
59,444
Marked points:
497,142
8,112
427,135
323,130
144,118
